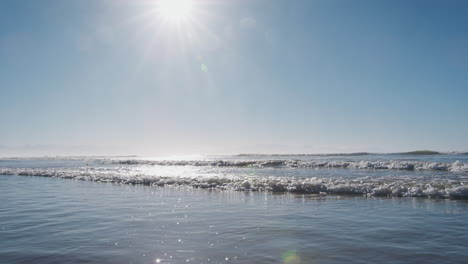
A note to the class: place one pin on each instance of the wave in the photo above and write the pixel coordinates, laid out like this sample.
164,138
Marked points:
364,164
305,155
369,186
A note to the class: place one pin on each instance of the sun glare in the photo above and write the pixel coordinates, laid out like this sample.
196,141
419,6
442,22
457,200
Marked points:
175,10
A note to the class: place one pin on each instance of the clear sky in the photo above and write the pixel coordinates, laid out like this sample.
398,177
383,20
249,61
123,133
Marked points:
240,76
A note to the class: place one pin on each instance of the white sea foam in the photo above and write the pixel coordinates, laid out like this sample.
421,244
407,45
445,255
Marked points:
370,186
363,164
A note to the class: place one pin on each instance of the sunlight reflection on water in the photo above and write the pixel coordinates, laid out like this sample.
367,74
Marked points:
56,221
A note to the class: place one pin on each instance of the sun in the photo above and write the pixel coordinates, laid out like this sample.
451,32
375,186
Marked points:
175,10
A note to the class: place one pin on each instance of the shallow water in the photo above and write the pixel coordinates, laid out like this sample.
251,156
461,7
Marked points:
48,220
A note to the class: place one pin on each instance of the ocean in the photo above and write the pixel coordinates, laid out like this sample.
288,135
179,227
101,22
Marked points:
358,208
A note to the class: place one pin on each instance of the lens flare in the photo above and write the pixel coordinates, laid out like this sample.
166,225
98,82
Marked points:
291,257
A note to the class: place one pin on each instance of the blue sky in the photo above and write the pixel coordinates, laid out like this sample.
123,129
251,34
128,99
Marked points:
111,77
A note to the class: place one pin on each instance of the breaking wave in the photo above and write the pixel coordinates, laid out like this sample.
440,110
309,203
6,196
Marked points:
369,186
305,155
456,166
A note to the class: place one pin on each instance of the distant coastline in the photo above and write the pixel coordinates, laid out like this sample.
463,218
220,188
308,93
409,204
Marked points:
422,152
415,152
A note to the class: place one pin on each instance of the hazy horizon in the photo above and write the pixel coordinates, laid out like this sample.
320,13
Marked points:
64,151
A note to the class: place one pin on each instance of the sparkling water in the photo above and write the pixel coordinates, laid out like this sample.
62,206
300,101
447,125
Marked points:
234,209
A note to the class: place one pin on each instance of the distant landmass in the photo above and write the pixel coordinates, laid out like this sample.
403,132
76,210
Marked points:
416,152
421,152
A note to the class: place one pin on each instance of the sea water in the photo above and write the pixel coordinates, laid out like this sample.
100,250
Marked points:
362,208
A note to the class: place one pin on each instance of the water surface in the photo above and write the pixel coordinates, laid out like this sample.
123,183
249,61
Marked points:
49,220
